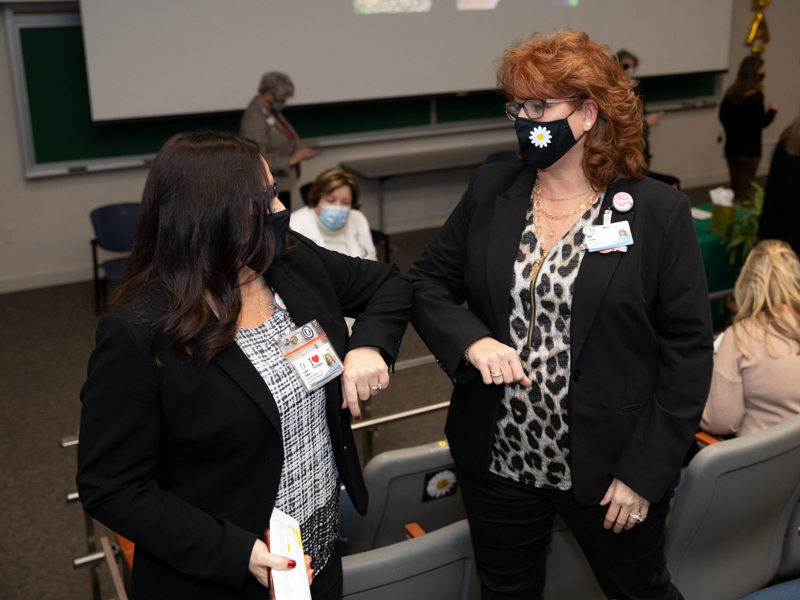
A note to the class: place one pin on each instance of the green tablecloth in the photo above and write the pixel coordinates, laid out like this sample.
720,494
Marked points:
720,274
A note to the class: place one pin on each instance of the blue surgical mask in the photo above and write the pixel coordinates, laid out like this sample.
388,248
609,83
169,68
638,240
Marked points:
334,217
278,106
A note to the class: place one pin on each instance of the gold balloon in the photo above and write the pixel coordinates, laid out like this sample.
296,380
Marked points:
758,30
757,51
760,4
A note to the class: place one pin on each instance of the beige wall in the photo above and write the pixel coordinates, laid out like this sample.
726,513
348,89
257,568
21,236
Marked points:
685,143
48,241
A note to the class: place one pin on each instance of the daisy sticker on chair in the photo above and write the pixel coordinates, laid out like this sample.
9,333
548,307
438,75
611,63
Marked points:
439,485
540,137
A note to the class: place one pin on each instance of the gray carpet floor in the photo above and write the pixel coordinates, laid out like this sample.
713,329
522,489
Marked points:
47,336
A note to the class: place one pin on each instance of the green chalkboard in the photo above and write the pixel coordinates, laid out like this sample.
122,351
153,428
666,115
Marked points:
62,129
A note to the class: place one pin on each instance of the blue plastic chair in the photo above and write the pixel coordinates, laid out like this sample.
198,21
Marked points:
789,590
114,230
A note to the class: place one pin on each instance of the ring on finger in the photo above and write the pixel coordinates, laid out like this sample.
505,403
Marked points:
638,517
497,373
378,388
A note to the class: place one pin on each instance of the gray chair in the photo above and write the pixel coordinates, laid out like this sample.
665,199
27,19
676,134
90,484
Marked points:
397,481
728,525
568,573
790,559
437,566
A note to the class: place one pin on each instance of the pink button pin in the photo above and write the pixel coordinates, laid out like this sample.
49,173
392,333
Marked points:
622,201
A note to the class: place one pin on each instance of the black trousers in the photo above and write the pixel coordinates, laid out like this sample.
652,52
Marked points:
510,527
742,170
327,585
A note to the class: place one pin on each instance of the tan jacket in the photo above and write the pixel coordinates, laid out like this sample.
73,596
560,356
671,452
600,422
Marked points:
276,145
751,394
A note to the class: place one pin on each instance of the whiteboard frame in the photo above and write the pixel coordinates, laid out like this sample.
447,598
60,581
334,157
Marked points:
62,14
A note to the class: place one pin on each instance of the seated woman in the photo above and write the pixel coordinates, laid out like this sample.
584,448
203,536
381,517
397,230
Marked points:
756,381
195,420
332,218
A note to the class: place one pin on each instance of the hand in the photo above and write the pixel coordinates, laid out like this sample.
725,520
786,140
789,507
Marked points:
261,561
623,503
302,154
654,119
773,106
490,356
364,369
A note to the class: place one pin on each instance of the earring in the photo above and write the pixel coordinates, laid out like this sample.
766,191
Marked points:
589,123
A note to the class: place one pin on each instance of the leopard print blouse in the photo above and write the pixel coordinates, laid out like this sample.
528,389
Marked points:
531,438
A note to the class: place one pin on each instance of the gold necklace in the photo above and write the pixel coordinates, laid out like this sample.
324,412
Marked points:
550,217
537,188
539,211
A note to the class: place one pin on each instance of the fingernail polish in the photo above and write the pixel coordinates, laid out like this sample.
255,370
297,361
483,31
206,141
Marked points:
292,564
358,417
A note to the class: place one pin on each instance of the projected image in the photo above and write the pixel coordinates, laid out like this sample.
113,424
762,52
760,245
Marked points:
373,7
491,4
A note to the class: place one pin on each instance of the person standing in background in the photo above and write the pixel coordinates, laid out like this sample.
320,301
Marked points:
630,62
781,210
743,116
264,123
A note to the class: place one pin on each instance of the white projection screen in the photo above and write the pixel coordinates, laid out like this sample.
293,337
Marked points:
150,58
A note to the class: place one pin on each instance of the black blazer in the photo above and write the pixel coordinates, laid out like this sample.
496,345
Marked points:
186,461
641,336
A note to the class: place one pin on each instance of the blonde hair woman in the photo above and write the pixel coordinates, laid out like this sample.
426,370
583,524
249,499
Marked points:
756,381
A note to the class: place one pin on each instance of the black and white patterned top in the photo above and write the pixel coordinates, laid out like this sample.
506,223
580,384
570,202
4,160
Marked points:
309,489
531,441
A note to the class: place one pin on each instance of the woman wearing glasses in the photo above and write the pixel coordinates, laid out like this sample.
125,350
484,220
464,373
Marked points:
195,420
583,356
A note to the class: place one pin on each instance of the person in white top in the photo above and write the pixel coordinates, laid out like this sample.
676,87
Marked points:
332,218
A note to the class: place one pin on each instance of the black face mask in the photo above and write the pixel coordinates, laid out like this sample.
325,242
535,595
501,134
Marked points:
258,253
543,143
761,76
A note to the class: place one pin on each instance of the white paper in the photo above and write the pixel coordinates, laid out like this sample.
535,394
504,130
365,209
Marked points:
285,540
700,214
721,196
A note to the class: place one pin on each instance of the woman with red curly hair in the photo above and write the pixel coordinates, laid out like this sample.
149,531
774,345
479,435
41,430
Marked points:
583,356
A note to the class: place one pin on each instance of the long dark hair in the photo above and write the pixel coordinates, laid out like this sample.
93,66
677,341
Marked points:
747,81
204,214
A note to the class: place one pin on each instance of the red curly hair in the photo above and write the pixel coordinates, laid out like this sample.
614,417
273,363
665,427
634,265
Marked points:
568,64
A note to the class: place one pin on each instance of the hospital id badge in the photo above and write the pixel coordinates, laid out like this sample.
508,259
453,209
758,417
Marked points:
311,355
603,237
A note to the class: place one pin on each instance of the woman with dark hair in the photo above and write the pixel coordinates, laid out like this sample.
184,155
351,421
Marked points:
332,218
781,211
743,117
197,419
567,299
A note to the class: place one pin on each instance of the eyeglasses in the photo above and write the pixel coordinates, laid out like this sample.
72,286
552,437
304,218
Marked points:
267,197
533,108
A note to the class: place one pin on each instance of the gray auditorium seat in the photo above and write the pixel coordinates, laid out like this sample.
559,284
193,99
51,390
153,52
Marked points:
568,572
396,481
790,558
436,566
727,530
